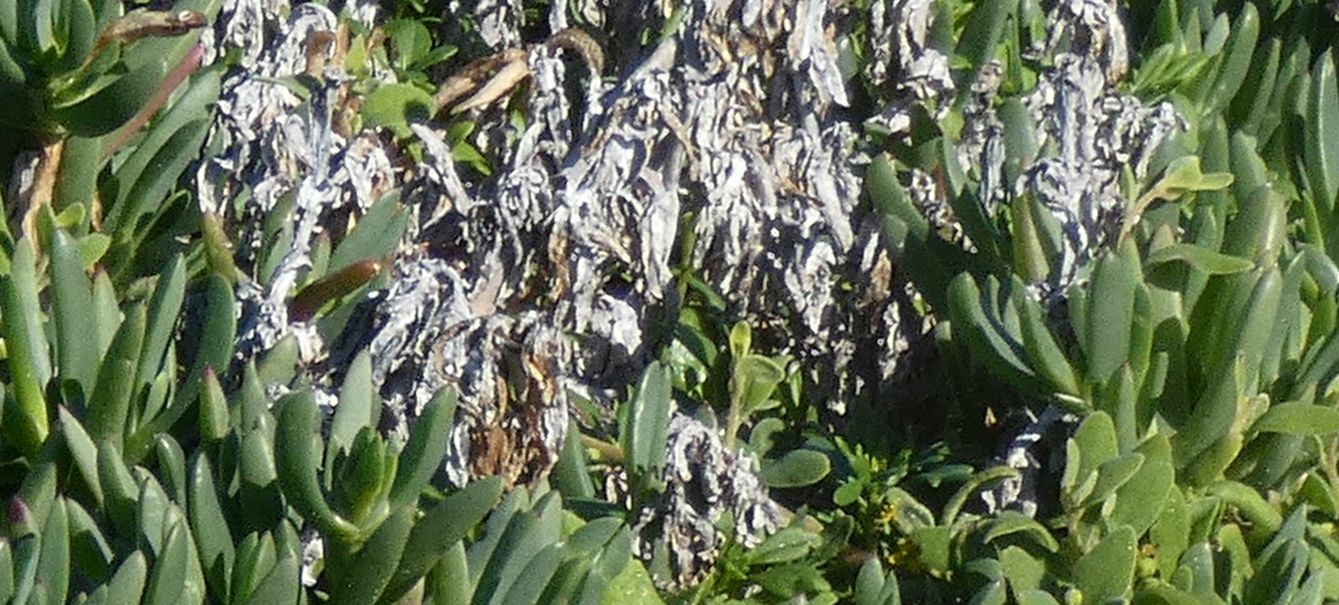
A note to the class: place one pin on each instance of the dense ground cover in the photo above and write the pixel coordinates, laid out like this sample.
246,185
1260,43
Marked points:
874,301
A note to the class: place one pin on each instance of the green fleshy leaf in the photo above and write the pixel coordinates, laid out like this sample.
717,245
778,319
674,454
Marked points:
1298,418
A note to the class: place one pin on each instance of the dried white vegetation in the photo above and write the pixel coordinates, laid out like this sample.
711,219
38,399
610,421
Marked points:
1094,133
1099,132
678,532
547,277
908,70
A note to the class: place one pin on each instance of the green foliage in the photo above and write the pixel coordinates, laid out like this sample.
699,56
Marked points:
1196,349
1195,346
62,73
109,506
643,429
753,380
395,106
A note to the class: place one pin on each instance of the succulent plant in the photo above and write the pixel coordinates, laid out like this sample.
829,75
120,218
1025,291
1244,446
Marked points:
113,510
83,67
1185,333
401,302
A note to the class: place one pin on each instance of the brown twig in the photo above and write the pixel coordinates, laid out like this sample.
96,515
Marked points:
577,40
318,48
485,80
40,194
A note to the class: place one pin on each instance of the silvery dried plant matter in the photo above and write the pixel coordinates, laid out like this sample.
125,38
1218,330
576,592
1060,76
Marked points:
359,300
515,282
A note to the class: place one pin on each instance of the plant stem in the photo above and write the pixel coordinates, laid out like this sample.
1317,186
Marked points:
41,191
732,421
179,74
608,451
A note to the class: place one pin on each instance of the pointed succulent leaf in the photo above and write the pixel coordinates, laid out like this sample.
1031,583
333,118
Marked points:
253,402
526,535
36,495
53,566
648,421
356,408
259,487
6,571
427,446
162,316
27,553
72,310
122,494
530,585
1238,366
1111,311
154,513
282,584
360,576
573,570
1257,230
571,474
26,348
357,489
1298,418
1196,571
298,459
167,579
1316,491
482,549
214,422
171,465
82,451
984,334
1041,346
440,528
256,559
279,365
109,406
451,581
210,526
1279,573
1198,257
375,236
215,347
131,218
1322,131
609,563
127,584
1236,58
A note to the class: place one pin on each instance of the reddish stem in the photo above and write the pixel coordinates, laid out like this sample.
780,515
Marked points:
179,74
